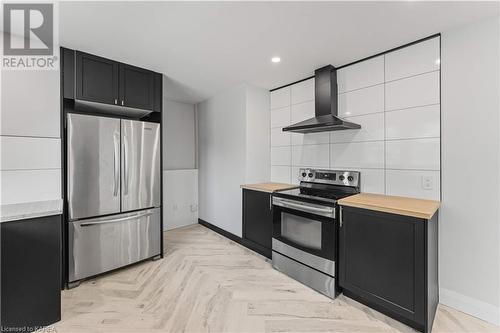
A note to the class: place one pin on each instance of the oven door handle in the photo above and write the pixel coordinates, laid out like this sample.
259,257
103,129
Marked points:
327,211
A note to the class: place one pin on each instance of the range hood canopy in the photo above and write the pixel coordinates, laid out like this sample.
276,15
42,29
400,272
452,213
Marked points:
325,98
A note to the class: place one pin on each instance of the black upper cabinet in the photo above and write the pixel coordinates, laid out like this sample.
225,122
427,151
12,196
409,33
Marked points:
136,87
106,81
96,79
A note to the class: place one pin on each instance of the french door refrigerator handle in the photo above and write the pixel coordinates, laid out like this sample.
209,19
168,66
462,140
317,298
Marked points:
125,164
114,220
116,162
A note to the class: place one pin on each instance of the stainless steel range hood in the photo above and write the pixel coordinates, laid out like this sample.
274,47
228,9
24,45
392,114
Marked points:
325,97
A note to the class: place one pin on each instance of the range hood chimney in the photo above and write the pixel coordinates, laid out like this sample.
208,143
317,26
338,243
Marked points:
325,98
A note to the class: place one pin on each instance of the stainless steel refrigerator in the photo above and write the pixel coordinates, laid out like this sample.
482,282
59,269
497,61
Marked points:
113,186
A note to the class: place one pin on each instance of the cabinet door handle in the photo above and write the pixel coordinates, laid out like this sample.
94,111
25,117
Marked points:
123,102
116,101
270,202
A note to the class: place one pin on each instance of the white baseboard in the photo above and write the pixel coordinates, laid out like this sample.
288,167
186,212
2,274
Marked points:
469,305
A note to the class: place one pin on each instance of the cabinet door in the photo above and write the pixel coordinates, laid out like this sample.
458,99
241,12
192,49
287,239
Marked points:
381,258
96,79
158,92
257,217
136,87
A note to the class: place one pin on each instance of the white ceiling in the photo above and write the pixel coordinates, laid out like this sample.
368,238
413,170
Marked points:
207,47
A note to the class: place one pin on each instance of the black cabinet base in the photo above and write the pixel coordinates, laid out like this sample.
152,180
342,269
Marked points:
30,273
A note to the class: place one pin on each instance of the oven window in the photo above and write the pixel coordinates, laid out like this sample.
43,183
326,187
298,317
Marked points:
301,231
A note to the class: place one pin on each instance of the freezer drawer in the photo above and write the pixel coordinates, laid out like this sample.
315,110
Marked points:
103,244
93,166
140,165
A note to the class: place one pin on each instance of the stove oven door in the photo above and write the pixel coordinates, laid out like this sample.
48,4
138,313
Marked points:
306,233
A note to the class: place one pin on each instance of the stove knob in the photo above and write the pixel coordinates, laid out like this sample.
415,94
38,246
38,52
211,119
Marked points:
350,178
341,177
304,174
310,175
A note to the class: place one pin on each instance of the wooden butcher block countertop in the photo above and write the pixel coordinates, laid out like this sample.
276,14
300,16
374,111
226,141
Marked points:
419,208
269,187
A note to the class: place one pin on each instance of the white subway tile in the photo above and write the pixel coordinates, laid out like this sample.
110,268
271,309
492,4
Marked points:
30,153
372,129
20,186
294,177
372,180
412,60
279,138
302,91
302,111
280,98
357,155
309,138
280,117
362,74
280,155
280,174
414,91
316,156
362,101
420,154
420,122
409,183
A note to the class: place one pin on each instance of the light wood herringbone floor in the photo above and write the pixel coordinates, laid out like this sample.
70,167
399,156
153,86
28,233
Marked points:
207,283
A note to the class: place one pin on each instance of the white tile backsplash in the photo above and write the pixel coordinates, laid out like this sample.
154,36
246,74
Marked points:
409,183
280,155
30,153
279,138
280,117
372,129
357,155
420,154
420,122
362,74
280,174
414,91
412,60
302,111
317,156
362,101
398,145
280,98
310,138
302,91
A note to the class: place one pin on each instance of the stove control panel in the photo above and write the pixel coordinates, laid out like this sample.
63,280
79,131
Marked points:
334,177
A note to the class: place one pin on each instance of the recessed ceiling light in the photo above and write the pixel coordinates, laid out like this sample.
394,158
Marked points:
275,59
438,61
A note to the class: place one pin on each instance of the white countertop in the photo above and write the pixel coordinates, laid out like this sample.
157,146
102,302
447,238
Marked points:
27,210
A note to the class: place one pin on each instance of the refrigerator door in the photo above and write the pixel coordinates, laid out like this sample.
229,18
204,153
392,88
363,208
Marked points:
93,166
102,244
140,165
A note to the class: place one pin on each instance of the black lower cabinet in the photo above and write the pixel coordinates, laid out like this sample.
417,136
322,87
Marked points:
30,273
257,221
389,262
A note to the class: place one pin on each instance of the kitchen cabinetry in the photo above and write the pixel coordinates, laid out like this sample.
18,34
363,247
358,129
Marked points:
30,273
257,221
95,79
389,262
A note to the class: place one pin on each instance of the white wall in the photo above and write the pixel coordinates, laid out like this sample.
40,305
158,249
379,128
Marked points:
228,146
180,177
469,217
30,137
395,99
